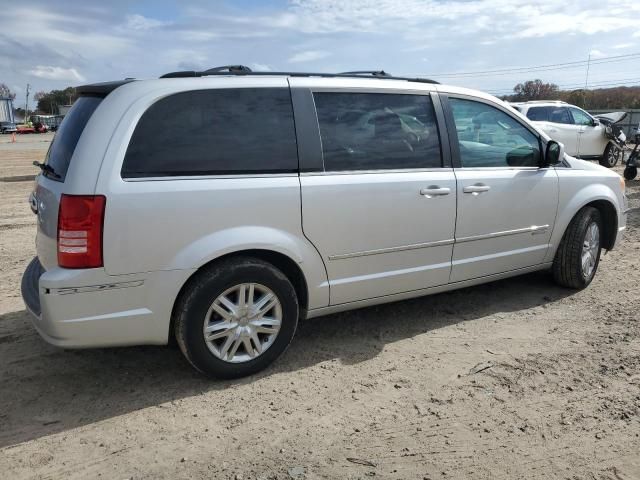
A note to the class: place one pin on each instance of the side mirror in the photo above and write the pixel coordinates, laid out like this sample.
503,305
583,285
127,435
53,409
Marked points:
595,122
553,154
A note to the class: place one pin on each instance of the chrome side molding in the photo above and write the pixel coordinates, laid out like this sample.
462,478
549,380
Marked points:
533,230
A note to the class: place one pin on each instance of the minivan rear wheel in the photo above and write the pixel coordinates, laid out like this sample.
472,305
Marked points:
236,317
578,254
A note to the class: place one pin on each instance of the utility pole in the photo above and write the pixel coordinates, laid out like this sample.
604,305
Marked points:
26,104
586,83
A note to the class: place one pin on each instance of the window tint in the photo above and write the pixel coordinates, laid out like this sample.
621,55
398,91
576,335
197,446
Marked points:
207,132
580,118
66,138
559,115
489,137
549,114
372,131
538,114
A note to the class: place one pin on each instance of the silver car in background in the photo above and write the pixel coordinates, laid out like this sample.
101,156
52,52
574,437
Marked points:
221,207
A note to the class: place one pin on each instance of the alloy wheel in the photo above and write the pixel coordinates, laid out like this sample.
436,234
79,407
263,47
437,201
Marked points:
590,249
242,322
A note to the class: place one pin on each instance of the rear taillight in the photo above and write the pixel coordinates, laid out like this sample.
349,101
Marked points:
80,222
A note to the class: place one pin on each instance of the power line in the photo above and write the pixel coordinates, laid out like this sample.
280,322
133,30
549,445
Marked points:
540,68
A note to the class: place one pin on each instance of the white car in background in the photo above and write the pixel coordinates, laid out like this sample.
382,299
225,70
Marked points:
583,136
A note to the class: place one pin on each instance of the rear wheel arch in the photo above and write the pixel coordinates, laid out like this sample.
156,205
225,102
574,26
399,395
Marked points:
282,262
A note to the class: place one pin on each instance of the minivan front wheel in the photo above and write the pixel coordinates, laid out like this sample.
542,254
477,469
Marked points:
578,255
236,317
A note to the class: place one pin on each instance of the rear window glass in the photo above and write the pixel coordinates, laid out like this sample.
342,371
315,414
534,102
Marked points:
215,132
66,138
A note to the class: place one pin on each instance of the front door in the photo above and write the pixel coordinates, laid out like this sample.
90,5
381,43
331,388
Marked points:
381,211
562,128
506,204
591,139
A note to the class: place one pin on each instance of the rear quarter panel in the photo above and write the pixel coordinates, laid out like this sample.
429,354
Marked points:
183,223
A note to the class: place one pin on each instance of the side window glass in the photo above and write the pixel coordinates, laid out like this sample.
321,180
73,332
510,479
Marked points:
374,131
215,132
538,114
560,115
488,137
580,118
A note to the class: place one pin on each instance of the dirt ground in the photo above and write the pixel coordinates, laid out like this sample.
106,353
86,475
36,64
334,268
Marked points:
514,379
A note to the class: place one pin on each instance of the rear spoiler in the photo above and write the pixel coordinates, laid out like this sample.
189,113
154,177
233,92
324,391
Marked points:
102,89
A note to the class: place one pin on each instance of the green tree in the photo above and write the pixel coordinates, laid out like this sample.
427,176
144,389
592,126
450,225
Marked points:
48,102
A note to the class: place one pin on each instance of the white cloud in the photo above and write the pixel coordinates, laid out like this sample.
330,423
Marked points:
57,73
586,22
140,22
261,67
595,53
510,18
308,56
104,40
67,35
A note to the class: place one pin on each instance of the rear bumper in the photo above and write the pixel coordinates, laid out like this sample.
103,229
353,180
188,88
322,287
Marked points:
88,308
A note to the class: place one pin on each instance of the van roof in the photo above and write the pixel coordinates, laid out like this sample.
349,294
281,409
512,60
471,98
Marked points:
227,75
241,70
104,88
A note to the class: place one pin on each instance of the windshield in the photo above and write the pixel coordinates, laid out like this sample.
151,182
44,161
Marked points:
64,143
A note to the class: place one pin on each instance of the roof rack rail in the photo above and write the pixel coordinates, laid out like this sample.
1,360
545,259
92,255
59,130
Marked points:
224,70
545,101
239,70
228,68
375,73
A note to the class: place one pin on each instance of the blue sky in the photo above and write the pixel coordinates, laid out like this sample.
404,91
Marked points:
56,44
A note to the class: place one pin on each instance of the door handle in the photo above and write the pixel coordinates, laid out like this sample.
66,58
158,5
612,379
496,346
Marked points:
434,191
476,189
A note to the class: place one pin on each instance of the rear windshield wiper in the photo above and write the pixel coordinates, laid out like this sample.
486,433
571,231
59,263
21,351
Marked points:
47,169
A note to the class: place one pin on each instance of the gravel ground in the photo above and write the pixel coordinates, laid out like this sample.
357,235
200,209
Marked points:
513,379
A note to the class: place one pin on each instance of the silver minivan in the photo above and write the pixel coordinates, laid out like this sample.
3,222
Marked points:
220,207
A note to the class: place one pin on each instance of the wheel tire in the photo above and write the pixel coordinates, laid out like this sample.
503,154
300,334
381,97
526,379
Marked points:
611,156
567,264
630,173
192,307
